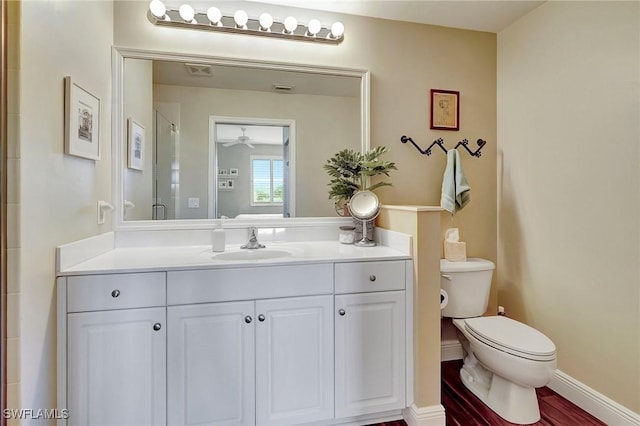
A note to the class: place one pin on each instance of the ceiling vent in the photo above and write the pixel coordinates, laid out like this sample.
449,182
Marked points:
199,70
283,88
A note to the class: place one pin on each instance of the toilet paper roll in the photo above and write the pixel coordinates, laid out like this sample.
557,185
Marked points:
444,299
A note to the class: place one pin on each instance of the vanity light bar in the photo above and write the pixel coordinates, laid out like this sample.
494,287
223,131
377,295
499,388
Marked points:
240,23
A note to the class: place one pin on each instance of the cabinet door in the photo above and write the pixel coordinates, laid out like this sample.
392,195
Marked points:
116,367
294,360
370,352
211,368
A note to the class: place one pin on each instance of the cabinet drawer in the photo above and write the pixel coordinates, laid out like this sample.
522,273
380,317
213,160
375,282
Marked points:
115,291
220,285
358,277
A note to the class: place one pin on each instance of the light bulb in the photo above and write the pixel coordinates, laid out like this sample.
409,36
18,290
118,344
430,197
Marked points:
337,29
157,8
266,21
290,24
241,18
314,27
186,13
214,15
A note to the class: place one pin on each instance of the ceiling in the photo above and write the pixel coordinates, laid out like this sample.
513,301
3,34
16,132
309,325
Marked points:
258,135
480,15
247,78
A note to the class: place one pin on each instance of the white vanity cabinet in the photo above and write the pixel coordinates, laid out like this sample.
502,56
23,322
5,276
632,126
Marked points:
255,362
115,365
370,337
316,344
211,364
268,362
294,360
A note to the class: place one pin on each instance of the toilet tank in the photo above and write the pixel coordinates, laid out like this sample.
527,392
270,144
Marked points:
467,285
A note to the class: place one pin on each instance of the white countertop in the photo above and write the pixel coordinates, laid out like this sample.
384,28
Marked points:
148,259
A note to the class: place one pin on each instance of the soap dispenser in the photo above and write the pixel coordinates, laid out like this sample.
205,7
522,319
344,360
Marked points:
218,237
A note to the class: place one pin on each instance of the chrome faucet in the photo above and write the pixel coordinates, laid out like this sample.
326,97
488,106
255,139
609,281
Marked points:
253,243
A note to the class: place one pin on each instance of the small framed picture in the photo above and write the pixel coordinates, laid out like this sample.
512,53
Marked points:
135,145
230,184
445,109
223,172
222,184
81,122
233,172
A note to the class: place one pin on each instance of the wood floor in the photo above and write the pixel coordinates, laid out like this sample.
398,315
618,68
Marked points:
464,409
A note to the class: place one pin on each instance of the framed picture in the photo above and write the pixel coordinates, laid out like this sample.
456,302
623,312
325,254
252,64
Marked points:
445,109
230,184
223,172
233,172
222,184
135,145
81,122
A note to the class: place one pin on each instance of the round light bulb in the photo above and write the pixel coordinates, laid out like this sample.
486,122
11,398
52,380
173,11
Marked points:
214,15
314,26
157,8
241,18
337,29
186,13
290,24
266,21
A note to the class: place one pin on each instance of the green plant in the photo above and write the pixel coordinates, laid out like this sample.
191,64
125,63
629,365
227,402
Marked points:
351,171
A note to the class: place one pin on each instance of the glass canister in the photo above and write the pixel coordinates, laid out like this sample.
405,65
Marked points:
347,234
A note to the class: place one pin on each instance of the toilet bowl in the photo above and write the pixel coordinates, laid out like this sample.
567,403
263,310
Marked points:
504,360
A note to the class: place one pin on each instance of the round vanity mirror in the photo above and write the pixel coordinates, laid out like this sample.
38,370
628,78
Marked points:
364,206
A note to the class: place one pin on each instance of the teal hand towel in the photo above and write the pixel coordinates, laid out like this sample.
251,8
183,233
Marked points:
456,192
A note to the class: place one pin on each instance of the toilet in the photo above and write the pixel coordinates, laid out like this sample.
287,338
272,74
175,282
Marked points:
504,360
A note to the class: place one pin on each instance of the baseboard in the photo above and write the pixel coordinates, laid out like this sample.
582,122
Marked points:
593,402
450,350
425,416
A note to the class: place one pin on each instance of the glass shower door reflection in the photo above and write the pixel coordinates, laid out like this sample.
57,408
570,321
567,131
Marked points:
166,169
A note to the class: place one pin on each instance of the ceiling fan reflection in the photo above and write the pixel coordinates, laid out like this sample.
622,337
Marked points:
243,139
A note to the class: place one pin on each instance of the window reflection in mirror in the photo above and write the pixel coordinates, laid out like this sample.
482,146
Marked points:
177,101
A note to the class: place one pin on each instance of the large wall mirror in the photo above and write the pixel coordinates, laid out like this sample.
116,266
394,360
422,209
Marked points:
202,138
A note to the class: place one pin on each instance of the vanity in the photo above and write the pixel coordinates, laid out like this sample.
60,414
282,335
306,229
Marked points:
155,329
176,335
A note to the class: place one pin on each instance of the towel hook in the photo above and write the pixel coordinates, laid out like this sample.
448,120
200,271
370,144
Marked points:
476,153
439,142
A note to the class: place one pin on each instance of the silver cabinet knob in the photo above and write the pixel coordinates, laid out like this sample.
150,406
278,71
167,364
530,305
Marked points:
342,312
261,318
372,278
248,319
115,293
157,326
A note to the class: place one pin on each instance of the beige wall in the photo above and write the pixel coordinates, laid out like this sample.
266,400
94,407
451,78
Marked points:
568,133
324,125
57,194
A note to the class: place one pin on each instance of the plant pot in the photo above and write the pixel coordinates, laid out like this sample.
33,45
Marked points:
342,208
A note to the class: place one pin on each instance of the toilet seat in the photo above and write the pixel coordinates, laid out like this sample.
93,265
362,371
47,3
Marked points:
512,337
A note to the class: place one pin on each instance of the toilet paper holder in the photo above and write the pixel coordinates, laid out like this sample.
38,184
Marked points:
444,299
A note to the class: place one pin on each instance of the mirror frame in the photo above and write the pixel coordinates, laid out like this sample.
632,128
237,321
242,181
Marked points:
118,134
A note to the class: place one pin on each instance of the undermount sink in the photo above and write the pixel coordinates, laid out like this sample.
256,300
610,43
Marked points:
257,254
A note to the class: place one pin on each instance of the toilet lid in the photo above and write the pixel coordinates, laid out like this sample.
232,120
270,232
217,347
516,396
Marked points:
469,265
512,337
